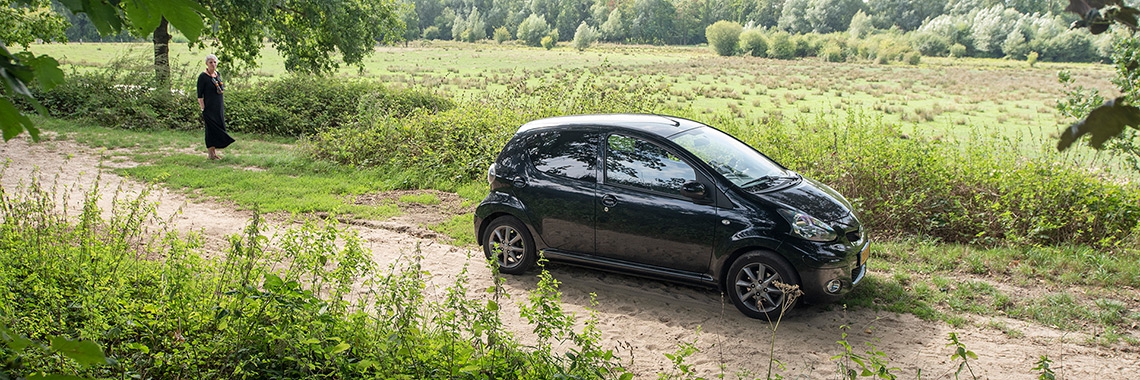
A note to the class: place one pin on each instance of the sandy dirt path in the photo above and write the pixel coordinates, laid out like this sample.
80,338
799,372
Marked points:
640,319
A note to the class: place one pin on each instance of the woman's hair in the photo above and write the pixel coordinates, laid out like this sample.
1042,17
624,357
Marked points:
208,56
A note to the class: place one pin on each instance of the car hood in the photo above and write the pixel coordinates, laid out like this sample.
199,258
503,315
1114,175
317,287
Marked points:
812,197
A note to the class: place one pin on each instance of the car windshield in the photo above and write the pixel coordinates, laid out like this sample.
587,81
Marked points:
739,163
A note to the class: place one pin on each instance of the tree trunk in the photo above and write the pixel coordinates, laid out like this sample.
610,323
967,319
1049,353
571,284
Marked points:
162,54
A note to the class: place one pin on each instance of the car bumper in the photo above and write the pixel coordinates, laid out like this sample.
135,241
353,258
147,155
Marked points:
827,285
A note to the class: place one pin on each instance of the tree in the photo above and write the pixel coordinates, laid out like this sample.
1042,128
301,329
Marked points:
615,29
860,25
22,68
826,16
532,30
766,13
411,21
584,36
905,14
724,37
571,14
306,32
793,18
652,21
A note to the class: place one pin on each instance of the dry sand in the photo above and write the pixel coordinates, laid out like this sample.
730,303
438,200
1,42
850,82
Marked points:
640,319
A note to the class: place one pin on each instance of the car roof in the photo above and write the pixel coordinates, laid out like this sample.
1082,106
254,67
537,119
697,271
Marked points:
661,125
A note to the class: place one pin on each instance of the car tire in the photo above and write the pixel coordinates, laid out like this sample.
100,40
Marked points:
751,284
508,241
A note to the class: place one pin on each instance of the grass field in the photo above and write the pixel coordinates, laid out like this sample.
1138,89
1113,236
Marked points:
940,96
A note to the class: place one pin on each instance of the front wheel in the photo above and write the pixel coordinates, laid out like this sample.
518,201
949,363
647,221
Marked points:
760,285
508,241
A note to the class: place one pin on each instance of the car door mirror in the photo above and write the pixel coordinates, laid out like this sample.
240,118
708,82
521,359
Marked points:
693,189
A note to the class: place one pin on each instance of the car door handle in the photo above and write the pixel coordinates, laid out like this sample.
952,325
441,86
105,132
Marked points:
609,200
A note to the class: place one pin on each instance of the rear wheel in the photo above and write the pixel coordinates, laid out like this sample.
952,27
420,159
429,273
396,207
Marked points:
753,284
508,241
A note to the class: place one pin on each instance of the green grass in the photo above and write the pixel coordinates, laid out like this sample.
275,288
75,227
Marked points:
950,282
268,174
946,96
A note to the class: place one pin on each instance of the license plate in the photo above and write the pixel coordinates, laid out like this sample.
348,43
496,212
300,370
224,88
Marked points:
865,254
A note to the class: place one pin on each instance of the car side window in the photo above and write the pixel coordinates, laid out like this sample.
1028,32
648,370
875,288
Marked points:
572,154
631,161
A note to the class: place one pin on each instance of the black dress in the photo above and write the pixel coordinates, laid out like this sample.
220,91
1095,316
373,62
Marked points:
210,91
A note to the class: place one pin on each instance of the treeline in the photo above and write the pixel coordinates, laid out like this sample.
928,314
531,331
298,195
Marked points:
961,28
836,30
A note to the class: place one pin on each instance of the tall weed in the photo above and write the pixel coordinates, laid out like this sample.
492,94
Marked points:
304,303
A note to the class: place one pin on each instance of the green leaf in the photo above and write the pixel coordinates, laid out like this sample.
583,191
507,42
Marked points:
84,352
15,341
144,15
1103,123
102,14
492,305
338,348
47,71
273,282
626,376
12,122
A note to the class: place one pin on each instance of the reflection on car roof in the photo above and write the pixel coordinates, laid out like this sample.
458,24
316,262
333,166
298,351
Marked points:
656,124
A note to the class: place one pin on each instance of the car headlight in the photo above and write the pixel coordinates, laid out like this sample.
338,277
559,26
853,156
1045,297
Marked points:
807,226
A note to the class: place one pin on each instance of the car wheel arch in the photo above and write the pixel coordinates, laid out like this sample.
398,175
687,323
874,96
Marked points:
498,214
724,266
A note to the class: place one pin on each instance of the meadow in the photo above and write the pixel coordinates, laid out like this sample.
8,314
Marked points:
977,218
939,96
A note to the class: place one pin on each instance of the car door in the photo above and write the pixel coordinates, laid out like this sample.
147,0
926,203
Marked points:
642,216
559,191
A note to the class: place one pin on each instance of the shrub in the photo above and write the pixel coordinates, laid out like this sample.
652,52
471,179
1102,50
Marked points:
431,33
931,44
532,29
724,37
781,46
833,53
501,34
290,106
985,193
548,42
120,96
303,105
958,51
1031,58
807,45
459,144
914,58
753,43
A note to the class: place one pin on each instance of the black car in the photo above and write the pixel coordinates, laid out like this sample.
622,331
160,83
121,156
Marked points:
671,199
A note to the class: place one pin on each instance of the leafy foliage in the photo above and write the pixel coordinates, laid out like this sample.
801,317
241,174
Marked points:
119,96
753,43
724,37
459,144
532,30
275,307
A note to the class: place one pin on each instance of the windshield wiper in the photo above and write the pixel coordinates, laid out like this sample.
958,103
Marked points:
766,181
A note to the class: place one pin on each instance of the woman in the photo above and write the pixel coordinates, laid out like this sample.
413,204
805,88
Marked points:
210,88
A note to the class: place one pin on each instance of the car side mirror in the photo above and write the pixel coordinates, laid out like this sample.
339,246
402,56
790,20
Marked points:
693,189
